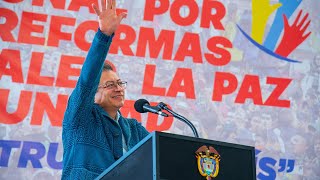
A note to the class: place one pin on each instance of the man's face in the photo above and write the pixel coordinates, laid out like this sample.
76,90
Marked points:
110,98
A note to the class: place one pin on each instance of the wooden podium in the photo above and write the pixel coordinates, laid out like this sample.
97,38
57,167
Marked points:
163,156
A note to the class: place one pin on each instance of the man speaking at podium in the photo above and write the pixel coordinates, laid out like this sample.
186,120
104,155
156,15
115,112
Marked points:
94,133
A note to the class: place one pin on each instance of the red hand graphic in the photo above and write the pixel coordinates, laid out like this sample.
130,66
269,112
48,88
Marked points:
293,35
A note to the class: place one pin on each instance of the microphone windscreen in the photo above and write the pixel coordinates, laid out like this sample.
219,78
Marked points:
138,105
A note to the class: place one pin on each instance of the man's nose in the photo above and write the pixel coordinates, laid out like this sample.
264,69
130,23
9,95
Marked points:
118,87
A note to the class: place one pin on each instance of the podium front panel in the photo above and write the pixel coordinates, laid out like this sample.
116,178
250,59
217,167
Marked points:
177,159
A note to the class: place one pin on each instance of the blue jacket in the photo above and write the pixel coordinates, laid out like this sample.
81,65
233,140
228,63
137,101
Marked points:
92,141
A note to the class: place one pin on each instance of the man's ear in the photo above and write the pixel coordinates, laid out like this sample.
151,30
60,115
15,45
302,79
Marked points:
98,97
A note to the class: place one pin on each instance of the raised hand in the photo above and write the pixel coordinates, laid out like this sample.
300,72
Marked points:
261,10
108,18
293,35
288,7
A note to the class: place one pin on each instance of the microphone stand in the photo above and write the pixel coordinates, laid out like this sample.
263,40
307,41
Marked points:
181,118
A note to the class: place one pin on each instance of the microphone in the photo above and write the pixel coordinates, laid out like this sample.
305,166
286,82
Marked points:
143,106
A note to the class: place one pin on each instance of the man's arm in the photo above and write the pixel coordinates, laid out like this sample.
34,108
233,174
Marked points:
108,23
82,98
92,66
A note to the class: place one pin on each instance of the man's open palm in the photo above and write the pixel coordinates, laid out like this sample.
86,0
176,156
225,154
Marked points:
108,18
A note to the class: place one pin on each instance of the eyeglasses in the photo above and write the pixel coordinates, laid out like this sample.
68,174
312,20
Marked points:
113,85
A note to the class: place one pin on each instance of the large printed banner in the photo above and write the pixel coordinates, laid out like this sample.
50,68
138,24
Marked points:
245,72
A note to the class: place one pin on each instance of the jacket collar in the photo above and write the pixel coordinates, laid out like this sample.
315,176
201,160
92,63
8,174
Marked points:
121,121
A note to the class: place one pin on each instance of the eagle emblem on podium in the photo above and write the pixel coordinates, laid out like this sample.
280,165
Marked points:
208,162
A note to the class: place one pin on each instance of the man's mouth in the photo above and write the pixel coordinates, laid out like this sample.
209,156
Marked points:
117,96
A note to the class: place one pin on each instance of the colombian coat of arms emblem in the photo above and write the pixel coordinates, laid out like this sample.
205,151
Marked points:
208,162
